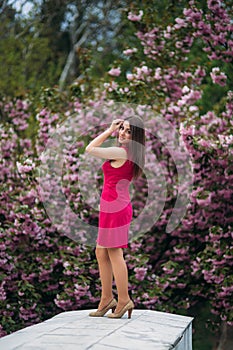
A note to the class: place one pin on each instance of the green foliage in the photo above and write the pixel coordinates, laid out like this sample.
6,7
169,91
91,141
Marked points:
34,48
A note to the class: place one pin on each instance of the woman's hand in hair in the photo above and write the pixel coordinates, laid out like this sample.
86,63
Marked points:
116,123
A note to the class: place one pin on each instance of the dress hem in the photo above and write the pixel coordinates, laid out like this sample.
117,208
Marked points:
121,246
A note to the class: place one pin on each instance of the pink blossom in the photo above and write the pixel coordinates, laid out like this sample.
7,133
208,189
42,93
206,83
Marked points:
130,76
214,4
115,72
204,201
135,18
63,304
24,168
187,130
204,143
157,75
2,291
140,273
218,77
129,52
181,23
141,72
167,270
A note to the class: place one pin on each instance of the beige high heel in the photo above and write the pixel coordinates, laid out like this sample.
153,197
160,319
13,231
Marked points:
128,307
99,313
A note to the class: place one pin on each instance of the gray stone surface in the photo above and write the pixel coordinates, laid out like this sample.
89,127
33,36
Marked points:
74,330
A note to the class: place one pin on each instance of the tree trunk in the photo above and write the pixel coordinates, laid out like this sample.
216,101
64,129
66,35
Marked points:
70,62
226,338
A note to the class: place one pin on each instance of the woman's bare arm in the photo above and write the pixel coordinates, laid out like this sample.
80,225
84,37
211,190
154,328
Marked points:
106,152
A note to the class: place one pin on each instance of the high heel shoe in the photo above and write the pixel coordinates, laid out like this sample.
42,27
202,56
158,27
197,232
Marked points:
128,307
99,313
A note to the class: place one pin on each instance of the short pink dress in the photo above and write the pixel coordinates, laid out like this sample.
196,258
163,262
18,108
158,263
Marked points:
115,206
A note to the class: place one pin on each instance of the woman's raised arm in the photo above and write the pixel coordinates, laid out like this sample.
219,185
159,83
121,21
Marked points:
106,152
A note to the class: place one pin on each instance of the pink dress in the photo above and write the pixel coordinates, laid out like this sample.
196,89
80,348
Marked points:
115,206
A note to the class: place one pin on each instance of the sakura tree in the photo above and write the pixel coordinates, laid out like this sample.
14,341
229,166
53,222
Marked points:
175,63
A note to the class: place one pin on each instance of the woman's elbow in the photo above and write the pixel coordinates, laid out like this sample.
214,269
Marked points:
88,149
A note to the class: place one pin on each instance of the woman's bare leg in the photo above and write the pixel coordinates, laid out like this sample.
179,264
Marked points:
120,273
106,275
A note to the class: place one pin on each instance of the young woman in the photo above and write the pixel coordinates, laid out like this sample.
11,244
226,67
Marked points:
124,163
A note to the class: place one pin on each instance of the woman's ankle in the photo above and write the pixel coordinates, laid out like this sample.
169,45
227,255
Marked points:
106,298
124,300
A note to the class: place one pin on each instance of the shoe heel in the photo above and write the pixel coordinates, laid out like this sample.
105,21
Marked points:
130,312
113,309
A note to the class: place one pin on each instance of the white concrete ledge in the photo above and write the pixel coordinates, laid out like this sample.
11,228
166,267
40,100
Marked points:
75,330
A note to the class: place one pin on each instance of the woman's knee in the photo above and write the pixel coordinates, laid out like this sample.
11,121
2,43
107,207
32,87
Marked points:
115,253
101,253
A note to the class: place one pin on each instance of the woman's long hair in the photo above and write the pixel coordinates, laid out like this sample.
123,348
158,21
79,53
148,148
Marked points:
137,144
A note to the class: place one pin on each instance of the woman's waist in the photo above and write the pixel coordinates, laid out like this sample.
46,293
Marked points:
119,186
115,195
113,205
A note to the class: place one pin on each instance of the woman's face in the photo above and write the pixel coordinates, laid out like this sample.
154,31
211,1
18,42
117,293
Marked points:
124,135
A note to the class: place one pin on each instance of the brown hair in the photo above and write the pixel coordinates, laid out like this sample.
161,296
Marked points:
137,147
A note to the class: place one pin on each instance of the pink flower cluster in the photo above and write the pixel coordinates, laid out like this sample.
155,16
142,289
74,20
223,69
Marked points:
135,18
129,52
115,72
218,77
214,28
